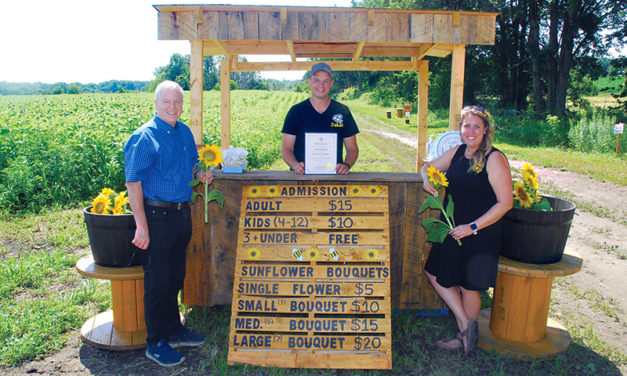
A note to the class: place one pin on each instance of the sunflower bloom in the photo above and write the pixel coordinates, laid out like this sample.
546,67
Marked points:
528,170
253,254
210,155
107,192
374,190
531,182
101,205
522,195
254,192
272,190
372,255
354,191
436,177
312,254
120,203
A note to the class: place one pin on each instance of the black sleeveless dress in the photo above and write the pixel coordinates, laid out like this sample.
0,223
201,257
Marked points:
474,264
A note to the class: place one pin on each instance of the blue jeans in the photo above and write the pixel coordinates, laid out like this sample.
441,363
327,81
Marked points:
164,270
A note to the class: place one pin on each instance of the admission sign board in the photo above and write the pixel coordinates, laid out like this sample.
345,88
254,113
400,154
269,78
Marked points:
312,277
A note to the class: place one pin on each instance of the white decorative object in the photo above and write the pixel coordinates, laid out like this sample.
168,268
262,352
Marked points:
234,160
442,143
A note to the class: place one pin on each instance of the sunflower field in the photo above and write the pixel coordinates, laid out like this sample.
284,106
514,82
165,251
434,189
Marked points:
61,150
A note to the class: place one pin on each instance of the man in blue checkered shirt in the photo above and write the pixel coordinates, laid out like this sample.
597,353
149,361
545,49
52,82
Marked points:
160,159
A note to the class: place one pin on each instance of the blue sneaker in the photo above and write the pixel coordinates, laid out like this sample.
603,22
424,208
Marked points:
186,338
163,354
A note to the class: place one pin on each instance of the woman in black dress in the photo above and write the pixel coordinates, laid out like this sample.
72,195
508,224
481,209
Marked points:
480,184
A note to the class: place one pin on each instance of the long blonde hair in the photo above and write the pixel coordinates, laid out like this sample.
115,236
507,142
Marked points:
478,162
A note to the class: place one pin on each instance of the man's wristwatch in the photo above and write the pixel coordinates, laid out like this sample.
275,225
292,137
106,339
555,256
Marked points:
473,227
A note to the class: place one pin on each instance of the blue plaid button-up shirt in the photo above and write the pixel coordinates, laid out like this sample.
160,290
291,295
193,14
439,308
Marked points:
162,158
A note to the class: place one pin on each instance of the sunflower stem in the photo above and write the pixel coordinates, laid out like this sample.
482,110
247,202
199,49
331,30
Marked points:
206,202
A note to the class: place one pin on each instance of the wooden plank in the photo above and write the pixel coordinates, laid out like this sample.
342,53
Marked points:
361,343
300,239
329,191
358,27
339,289
297,272
269,26
457,86
423,116
198,261
327,253
315,205
336,65
312,26
310,222
320,359
299,324
195,90
177,26
398,228
337,30
315,306
208,29
225,103
141,317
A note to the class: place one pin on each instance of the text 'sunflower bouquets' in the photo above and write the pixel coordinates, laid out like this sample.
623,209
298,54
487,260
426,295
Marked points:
436,228
526,191
208,158
102,204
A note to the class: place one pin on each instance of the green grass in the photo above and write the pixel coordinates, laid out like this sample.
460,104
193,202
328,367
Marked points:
604,167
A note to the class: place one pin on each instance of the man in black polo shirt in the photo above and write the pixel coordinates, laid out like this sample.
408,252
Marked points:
319,114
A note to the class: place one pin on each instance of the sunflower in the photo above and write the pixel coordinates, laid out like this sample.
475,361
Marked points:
254,191
101,204
210,155
372,255
436,177
120,203
522,195
253,254
354,191
312,254
107,192
272,190
374,190
531,182
528,170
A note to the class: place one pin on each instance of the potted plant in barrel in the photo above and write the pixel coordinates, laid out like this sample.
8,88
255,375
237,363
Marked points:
111,228
535,230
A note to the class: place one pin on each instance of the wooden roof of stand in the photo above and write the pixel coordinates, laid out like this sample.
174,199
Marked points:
318,32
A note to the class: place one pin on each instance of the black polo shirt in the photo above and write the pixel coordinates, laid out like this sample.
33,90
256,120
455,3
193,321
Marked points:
303,118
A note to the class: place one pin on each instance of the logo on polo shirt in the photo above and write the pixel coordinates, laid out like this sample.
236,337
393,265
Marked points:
338,121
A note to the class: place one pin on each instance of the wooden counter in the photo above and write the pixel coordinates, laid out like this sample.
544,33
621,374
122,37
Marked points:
212,249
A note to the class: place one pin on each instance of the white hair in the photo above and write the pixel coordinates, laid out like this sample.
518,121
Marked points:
167,85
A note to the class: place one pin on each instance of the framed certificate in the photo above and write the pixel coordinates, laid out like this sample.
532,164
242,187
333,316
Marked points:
320,153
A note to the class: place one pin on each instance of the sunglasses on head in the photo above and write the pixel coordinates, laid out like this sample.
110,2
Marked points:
476,108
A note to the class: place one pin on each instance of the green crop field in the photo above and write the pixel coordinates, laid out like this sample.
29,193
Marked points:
62,149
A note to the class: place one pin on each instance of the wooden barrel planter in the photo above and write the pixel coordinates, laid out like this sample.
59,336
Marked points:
537,237
110,238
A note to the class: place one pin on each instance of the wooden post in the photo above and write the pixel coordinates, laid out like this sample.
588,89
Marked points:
617,144
457,85
195,90
225,107
423,106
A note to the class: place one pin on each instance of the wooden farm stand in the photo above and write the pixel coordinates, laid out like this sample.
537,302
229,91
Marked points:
123,327
518,325
350,36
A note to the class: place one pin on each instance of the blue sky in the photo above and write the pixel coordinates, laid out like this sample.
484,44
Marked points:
93,41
